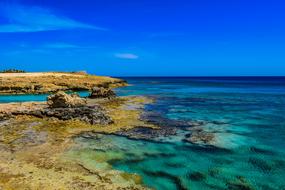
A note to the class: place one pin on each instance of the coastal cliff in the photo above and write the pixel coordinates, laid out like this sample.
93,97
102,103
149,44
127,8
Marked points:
48,82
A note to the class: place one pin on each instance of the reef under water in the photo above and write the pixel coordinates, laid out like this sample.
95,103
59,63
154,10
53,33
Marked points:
212,134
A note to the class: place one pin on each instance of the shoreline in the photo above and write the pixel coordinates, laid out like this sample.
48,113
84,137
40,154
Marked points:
49,82
33,149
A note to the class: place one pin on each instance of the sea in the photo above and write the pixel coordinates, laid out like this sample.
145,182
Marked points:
229,133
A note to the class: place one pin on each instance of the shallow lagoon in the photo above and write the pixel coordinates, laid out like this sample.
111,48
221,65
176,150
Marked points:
246,116
31,97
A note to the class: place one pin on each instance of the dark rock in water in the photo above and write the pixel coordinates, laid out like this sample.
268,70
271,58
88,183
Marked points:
147,133
219,122
160,120
101,92
196,176
174,165
261,164
200,137
261,151
159,155
63,100
214,172
161,174
279,163
167,127
239,184
196,123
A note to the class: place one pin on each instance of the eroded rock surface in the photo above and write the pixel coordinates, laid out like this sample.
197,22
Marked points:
47,82
63,100
63,107
38,153
101,92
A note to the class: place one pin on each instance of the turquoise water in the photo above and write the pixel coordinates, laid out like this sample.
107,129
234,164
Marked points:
30,97
245,116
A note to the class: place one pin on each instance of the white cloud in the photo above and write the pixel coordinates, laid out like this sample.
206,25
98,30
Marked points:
126,56
35,19
60,46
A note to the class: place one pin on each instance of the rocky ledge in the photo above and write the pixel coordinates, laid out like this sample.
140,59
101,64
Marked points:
64,107
36,153
50,82
102,92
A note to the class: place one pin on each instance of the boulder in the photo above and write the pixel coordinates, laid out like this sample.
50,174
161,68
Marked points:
63,100
101,92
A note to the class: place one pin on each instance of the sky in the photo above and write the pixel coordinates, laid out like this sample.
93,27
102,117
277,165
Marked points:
144,37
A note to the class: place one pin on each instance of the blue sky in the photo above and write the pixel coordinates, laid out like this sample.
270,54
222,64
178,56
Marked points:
144,37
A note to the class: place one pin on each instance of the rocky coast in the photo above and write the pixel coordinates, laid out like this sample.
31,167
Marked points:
36,137
72,141
48,82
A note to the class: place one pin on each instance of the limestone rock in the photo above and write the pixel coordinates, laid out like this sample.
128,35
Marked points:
63,100
92,115
101,92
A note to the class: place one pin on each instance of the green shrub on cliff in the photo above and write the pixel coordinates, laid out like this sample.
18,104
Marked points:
12,71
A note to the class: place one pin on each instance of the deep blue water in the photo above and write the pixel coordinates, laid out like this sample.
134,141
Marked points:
245,116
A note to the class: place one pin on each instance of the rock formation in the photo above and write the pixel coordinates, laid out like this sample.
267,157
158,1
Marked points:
63,107
92,115
101,92
63,100
50,82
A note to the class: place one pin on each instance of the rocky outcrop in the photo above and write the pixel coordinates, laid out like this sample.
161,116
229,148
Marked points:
89,114
63,107
101,92
63,100
92,115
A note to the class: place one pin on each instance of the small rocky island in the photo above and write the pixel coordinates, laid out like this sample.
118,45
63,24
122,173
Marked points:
36,137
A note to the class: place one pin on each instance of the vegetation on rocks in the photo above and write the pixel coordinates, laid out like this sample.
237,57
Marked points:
12,71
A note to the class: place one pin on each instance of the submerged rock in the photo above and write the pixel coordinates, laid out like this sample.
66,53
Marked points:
200,137
101,92
63,100
239,184
147,133
196,176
